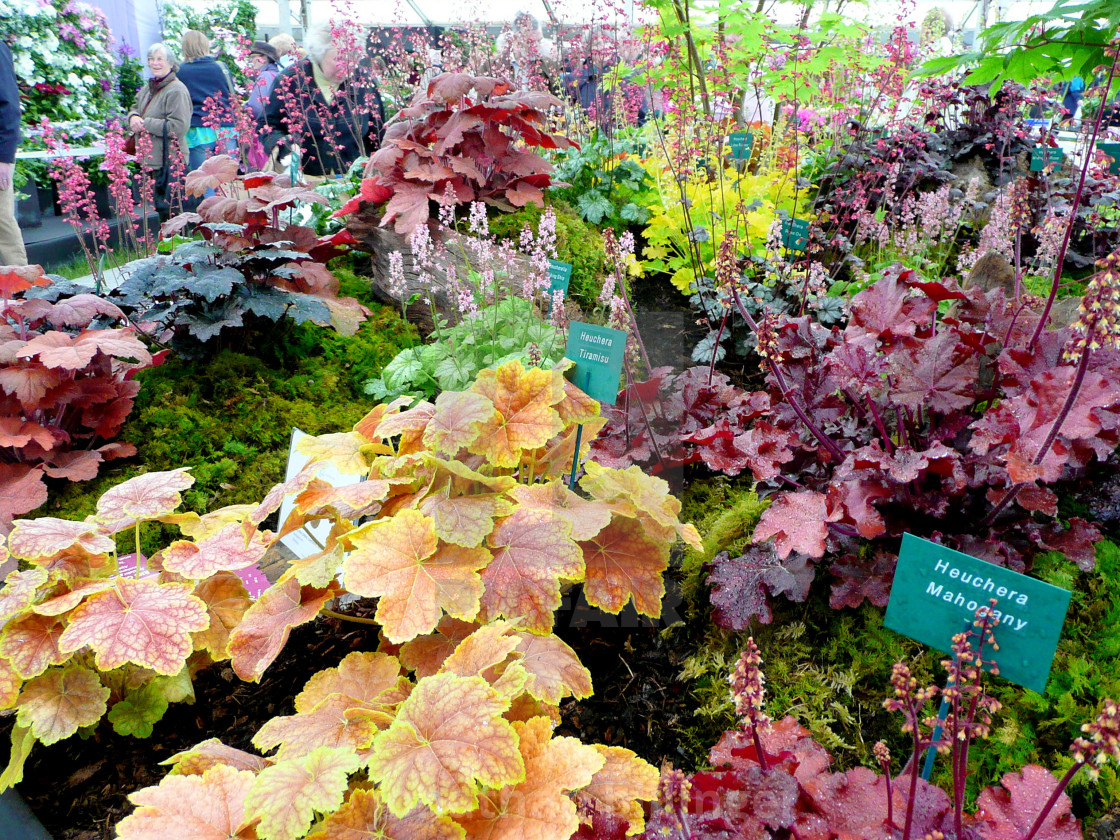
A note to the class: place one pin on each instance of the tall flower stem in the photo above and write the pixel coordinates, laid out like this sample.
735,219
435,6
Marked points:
1076,203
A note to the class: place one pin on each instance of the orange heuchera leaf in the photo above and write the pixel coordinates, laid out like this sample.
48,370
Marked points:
31,644
586,518
533,552
348,502
619,788
226,601
537,808
365,817
225,551
525,417
624,563
319,569
554,459
458,417
10,684
554,669
633,493
342,450
400,561
296,484
464,520
210,806
265,626
212,753
337,722
286,796
60,702
408,424
147,496
486,647
367,678
447,739
68,600
426,654
576,407
19,590
138,621
43,538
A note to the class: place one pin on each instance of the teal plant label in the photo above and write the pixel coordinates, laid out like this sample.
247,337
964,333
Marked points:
1113,151
559,277
1043,156
935,589
795,234
597,353
741,144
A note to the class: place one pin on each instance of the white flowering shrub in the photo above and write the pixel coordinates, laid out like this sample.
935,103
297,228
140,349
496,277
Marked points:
63,54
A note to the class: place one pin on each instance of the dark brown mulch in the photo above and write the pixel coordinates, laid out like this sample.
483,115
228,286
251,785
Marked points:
79,789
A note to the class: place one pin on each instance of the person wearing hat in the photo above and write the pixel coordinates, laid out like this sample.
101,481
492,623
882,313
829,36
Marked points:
265,62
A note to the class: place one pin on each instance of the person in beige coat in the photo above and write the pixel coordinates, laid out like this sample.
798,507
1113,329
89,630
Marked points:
163,110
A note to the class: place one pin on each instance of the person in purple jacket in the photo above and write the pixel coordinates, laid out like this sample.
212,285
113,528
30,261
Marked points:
264,59
12,251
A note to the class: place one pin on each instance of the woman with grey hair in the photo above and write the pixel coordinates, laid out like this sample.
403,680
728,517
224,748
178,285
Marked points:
163,111
326,106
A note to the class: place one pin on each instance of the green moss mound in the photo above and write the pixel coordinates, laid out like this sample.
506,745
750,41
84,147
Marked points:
831,668
230,417
577,243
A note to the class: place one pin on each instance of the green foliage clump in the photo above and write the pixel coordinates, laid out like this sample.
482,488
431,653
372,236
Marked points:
230,418
495,335
577,243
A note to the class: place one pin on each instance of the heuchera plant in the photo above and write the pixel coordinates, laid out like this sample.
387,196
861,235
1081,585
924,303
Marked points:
671,420
469,531
65,387
252,264
952,426
772,779
79,640
467,137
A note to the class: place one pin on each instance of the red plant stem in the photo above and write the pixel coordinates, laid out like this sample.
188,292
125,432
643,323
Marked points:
1013,491
1062,785
1073,208
913,778
787,394
759,751
890,797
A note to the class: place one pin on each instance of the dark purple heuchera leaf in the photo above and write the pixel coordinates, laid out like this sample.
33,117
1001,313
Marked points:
934,376
765,448
744,803
855,805
787,744
1077,543
669,421
859,580
743,586
797,522
856,368
1009,813
888,311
